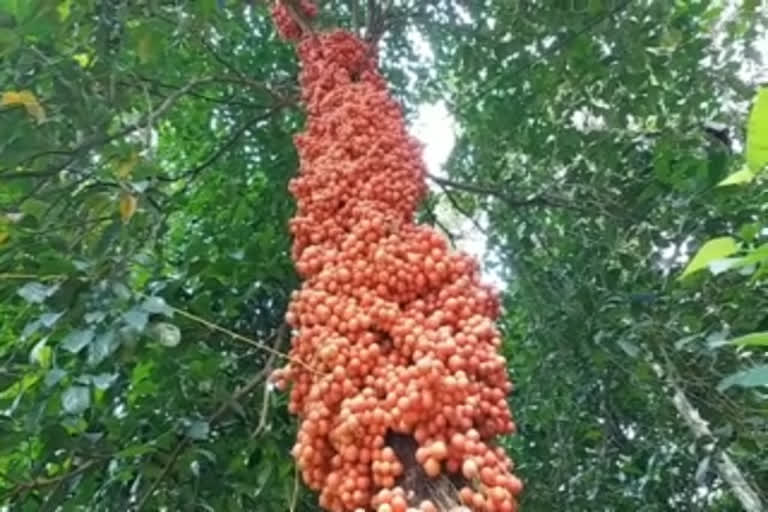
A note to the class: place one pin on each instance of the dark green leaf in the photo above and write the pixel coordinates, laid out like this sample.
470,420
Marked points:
77,340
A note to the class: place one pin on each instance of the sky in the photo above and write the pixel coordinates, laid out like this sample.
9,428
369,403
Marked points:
435,127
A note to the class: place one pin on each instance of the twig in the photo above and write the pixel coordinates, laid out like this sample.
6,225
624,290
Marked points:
539,200
167,469
164,85
264,410
461,210
49,504
215,155
49,277
282,334
94,142
295,12
377,21
218,58
295,496
237,336
39,483
213,418
433,214
354,6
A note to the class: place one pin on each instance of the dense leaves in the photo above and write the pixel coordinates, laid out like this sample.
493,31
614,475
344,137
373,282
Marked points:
145,152
593,141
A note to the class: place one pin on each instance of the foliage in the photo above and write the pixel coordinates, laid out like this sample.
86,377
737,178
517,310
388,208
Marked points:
592,144
150,184
145,151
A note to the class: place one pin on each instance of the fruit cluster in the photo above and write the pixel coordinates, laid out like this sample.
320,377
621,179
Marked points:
288,28
394,329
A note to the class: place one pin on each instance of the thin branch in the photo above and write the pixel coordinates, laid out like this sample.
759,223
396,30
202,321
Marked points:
354,6
378,12
264,410
21,276
484,190
240,337
440,224
39,483
22,175
167,469
213,418
294,10
295,496
372,15
726,467
258,84
463,211
215,155
165,105
221,60
165,85
94,142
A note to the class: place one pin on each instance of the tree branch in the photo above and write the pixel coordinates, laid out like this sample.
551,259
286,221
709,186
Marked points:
254,381
165,85
377,21
458,208
294,10
484,190
726,467
354,7
216,154
39,483
101,140
221,60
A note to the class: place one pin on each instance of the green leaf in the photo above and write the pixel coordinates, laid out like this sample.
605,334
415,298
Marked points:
76,399
749,231
712,250
54,376
101,348
41,354
94,317
157,305
745,175
10,6
631,349
755,339
36,293
206,7
139,449
757,132
64,9
103,381
75,341
49,319
753,377
136,318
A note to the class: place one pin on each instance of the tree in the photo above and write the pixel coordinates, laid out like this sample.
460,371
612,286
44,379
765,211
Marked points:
395,372
144,252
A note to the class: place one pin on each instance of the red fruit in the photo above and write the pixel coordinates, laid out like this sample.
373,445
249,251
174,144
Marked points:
392,328
432,467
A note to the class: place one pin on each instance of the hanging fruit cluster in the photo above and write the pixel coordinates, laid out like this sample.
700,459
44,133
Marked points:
394,329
